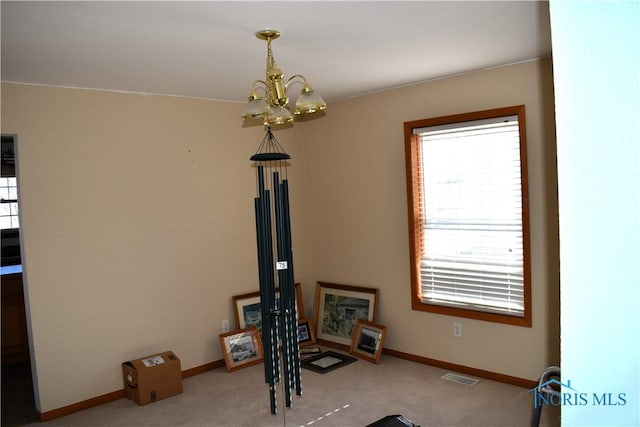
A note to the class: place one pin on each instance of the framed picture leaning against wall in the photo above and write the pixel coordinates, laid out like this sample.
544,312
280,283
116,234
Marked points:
338,308
248,312
367,341
241,348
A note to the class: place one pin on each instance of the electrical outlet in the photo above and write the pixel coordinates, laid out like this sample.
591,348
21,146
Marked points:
225,326
457,329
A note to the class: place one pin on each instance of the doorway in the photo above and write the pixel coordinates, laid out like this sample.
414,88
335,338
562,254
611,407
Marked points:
18,403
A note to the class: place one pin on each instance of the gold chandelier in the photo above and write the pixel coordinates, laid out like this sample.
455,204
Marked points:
272,107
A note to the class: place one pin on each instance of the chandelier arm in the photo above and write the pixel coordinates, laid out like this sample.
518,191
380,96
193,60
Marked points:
290,80
254,87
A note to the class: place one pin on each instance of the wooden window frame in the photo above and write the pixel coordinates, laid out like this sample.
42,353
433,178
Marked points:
413,177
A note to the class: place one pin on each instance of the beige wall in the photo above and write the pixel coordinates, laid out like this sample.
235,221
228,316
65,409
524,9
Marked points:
138,227
358,213
138,223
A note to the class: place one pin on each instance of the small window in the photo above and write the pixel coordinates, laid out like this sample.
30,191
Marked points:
8,204
8,187
468,215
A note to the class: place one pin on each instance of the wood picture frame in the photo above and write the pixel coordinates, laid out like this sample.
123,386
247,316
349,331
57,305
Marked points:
241,348
306,334
338,307
248,312
367,340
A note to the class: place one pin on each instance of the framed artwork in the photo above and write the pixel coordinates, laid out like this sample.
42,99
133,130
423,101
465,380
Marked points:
327,361
367,341
337,309
241,348
248,312
308,352
306,335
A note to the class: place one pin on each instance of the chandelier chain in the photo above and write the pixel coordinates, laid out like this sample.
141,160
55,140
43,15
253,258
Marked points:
271,61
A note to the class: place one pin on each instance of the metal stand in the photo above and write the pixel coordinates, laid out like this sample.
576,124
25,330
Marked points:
548,378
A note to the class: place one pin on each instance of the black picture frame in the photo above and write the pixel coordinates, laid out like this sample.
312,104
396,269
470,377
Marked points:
327,362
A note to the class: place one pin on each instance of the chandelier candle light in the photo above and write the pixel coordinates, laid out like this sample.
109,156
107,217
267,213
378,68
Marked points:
272,107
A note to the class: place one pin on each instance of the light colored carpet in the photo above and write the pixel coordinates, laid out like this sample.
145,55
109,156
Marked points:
354,395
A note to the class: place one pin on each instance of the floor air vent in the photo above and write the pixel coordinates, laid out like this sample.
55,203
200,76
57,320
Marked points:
460,379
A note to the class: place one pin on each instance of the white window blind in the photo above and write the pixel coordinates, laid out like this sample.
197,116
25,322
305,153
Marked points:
471,216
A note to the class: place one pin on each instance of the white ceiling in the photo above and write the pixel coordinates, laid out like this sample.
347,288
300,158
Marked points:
207,49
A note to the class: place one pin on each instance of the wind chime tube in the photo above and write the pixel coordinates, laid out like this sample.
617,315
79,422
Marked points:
267,286
285,295
293,315
272,305
287,289
263,255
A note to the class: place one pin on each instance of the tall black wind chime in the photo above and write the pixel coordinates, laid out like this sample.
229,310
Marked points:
275,270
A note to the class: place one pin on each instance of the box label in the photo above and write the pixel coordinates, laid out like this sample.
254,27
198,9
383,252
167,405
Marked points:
153,361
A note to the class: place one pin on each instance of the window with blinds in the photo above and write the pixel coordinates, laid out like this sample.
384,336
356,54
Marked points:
8,187
469,228
8,203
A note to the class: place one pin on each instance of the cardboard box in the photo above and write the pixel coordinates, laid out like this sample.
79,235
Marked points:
152,378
